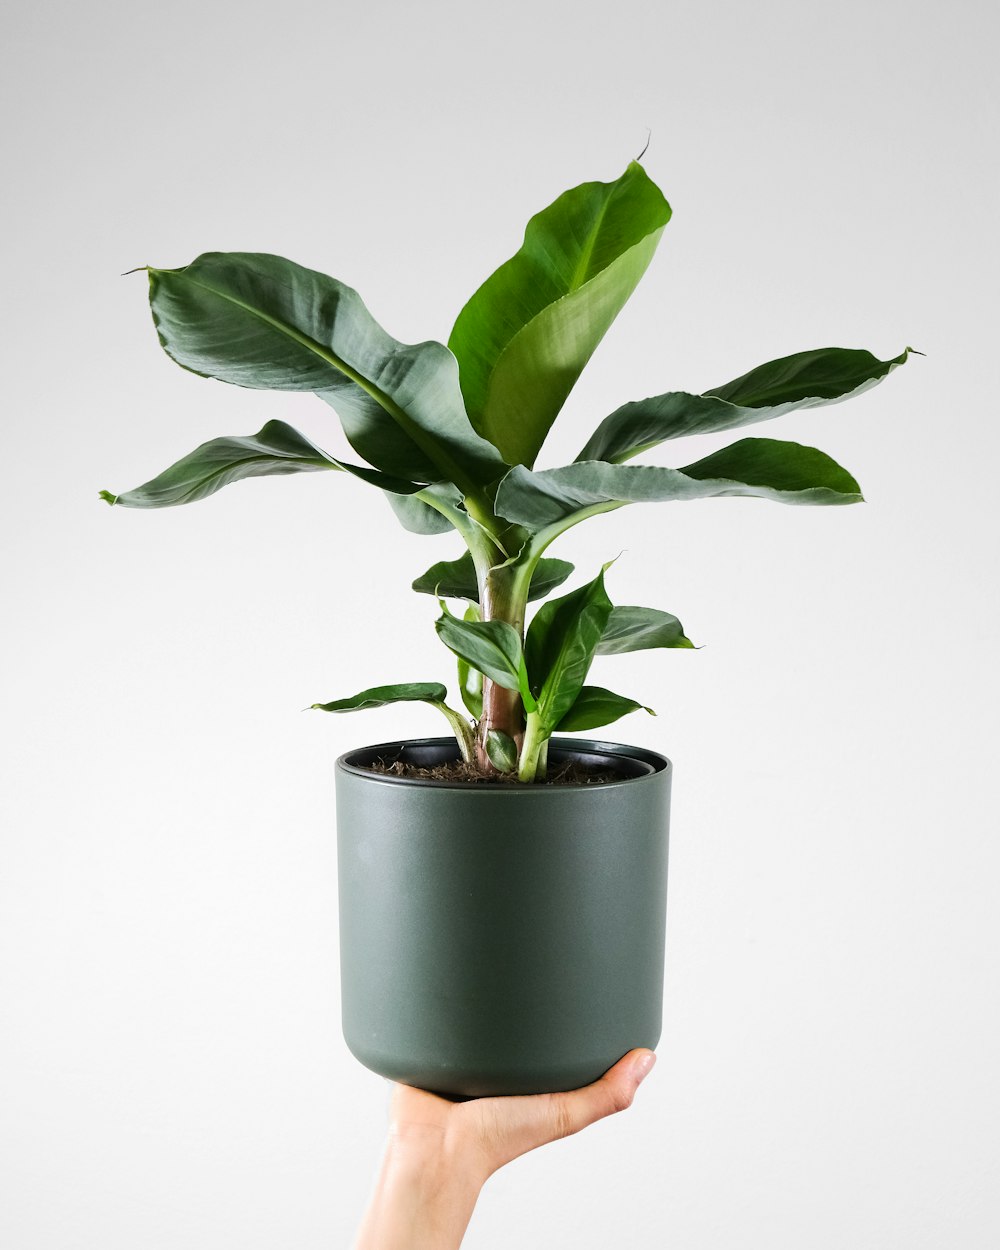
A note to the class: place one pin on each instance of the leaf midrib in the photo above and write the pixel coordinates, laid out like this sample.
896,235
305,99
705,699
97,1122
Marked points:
579,279
309,464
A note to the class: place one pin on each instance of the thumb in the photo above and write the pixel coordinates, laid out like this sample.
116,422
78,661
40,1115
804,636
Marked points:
532,1121
613,1092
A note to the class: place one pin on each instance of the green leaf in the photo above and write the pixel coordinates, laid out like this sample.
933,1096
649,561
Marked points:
261,321
640,629
824,375
560,646
805,380
456,579
762,467
470,680
596,706
418,517
525,336
382,696
275,449
450,579
492,647
502,750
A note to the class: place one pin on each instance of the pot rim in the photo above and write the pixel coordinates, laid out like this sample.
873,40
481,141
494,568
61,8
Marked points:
655,762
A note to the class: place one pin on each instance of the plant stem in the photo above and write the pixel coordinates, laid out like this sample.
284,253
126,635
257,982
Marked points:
500,599
532,766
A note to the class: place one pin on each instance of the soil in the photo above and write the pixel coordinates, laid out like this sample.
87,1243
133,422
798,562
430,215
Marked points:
570,773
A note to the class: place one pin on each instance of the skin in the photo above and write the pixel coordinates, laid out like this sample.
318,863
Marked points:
439,1153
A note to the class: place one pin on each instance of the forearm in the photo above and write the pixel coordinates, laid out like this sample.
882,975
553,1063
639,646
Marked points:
423,1200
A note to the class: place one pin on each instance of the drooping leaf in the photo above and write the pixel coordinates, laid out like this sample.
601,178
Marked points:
261,321
596,706
762,467
456,579
805,380
450,579
502,750
275,449
640,629
416,516
492,647
560,646
381,696
525,336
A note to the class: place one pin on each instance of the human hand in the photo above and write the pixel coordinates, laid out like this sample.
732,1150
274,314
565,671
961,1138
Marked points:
440,1153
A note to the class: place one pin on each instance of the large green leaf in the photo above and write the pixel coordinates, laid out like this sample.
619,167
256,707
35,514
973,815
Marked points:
523,339
382,696
492,647
595,706
762,467
276,448
456,579
262,321
560,646
640,629
805,380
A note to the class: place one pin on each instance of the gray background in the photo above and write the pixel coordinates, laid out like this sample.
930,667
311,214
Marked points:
172,1069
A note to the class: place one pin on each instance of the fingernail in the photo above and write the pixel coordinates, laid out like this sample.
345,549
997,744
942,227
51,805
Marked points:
642,1067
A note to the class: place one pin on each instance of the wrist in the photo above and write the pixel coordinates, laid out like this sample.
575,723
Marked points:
425,1195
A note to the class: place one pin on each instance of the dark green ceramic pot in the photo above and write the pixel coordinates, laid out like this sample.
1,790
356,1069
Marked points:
501,939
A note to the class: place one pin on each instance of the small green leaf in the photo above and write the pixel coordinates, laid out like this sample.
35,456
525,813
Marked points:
275,449
470,680
762,467
596,706
492,647
502,750
524,337
381,696
456,579
640,629
416,516
453,579
560,646
806,380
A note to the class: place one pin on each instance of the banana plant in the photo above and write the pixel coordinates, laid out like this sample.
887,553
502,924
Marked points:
450,435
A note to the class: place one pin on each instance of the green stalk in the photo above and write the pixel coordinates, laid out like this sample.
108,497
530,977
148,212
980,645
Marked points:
500,600
534,750
462,731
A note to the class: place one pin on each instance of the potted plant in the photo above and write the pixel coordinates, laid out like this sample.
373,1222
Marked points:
502,890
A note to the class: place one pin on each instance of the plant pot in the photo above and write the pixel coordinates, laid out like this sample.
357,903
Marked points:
501,939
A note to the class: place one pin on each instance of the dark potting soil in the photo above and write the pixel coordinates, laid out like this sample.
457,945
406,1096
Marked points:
569,773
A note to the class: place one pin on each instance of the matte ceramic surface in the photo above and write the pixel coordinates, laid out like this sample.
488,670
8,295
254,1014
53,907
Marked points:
501,939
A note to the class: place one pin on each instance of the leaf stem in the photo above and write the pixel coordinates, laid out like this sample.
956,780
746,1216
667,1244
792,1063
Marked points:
533,751
462,730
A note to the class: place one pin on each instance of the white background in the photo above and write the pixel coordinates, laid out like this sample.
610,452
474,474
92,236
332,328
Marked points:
172,1069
